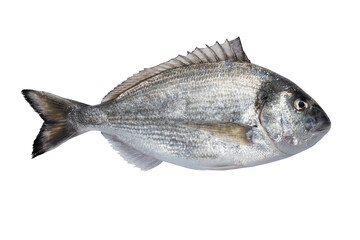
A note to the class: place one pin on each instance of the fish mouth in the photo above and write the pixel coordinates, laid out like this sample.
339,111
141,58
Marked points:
323,125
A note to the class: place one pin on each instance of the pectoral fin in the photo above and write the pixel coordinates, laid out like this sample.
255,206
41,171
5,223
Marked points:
229,132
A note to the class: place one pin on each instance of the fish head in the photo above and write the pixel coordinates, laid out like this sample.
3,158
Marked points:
291,118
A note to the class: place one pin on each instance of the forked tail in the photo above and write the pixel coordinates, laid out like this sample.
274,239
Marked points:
57,127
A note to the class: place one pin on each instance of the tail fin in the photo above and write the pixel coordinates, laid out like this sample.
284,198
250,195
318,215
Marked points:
54,111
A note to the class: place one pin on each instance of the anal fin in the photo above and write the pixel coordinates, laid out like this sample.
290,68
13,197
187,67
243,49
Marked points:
130,154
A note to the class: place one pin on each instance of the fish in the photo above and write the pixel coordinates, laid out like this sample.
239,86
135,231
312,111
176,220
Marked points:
211,109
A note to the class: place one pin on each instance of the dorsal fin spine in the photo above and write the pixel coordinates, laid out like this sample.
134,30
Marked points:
188,61
204,54
213,53
179,61
232,50
222,49
193,53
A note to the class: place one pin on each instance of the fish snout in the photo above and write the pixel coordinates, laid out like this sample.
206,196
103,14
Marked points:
322,126
322,123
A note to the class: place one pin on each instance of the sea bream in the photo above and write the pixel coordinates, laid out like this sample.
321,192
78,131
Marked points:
211,109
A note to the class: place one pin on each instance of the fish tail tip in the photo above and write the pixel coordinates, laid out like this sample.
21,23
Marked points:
38,147
26,92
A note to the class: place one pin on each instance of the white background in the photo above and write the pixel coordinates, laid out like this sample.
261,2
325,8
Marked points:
84,190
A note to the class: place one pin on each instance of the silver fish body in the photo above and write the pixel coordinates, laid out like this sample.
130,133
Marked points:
220,113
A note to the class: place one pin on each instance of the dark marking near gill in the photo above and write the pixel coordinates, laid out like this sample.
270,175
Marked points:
267,91
261,98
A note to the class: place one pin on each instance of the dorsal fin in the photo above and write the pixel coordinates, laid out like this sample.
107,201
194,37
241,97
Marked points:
228,51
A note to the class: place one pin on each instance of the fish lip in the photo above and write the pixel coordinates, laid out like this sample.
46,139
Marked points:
323,126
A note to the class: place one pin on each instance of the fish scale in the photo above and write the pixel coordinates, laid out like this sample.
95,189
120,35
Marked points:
201,95
158,125
211,109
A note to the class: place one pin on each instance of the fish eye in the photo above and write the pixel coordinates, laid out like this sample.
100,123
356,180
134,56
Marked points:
300,104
